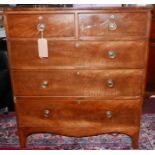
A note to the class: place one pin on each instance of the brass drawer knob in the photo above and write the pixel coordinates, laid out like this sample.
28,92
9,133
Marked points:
44,84
46,113
112,26
109,114
41,27
111,54
110,83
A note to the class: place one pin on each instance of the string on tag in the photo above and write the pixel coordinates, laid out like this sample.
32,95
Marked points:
42,34
42,43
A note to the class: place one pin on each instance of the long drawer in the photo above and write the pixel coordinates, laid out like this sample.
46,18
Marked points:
66,116
113,24
78,83
86,54
25,25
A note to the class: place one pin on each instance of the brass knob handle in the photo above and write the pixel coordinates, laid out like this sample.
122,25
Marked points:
110,83
44,84
46,113
109,114
40,27
112,26
111,54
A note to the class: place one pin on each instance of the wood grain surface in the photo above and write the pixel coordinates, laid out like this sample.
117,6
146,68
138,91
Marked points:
97,24
56,25
78,83
79,54
78,90
74,114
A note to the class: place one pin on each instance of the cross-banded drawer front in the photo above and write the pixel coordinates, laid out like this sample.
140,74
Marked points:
86,54
30,25
113,24
78,83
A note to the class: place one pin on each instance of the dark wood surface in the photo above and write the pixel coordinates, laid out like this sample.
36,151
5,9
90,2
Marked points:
67,93
150,85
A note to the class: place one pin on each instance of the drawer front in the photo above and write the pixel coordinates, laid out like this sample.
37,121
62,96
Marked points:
117,24
108,54
105,114
25,25
78,83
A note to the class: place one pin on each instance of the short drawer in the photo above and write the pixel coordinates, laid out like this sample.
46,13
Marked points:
82,54
113,24
97,83
99,116
26,25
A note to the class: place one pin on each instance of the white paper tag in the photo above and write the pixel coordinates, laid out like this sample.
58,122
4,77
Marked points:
42,48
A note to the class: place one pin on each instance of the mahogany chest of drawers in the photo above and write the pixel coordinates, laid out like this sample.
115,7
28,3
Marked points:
92,81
